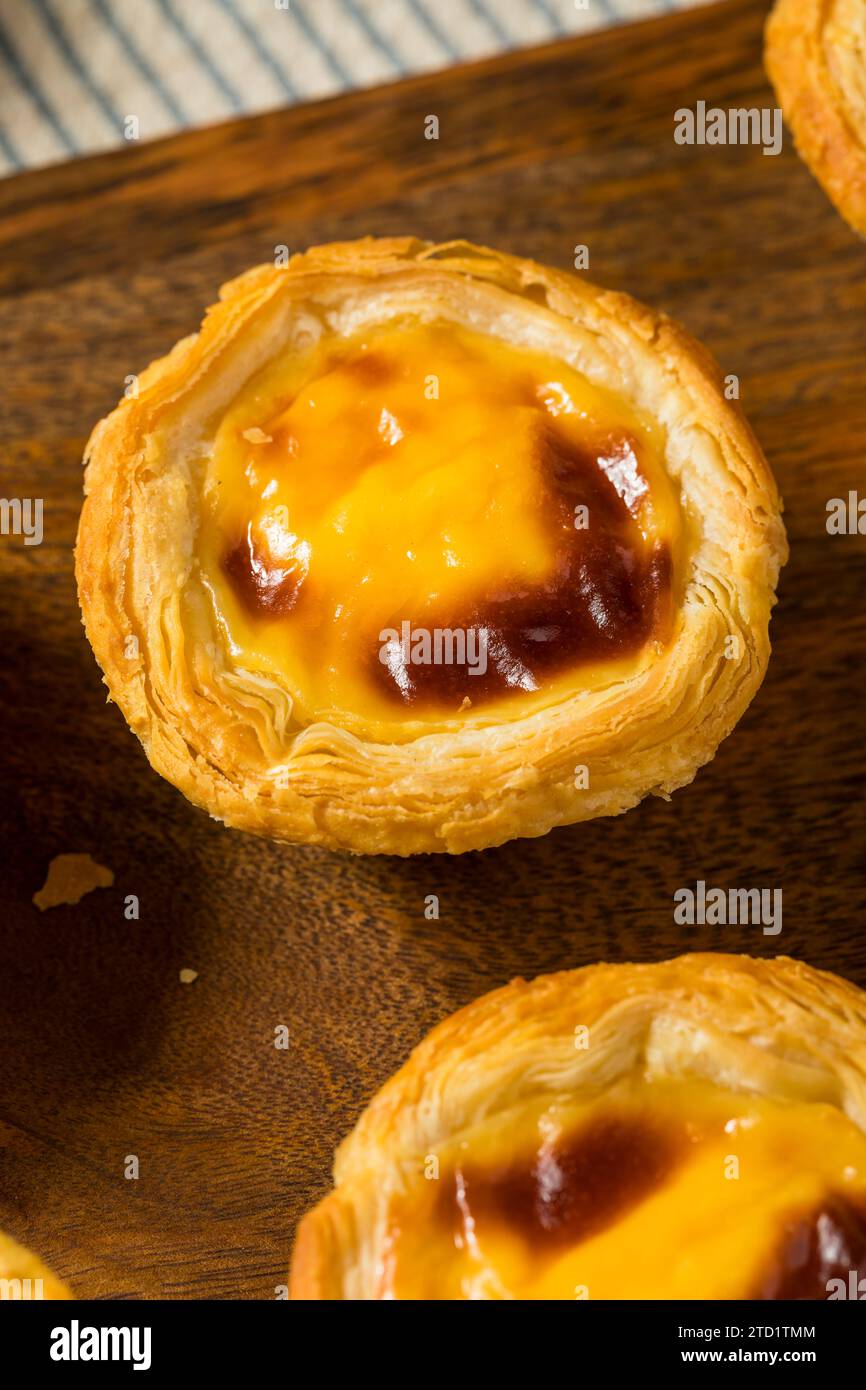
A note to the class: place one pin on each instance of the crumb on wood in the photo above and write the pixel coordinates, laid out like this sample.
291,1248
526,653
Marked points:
70,876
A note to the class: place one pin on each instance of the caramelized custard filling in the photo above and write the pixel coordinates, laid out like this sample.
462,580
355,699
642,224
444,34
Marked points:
654,1190
423,520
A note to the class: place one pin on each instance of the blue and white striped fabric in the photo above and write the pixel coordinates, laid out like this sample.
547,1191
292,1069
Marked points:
72,72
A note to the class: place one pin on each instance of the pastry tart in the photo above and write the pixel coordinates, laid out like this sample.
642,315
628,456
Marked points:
23,1277
421,548
815,55
691,1129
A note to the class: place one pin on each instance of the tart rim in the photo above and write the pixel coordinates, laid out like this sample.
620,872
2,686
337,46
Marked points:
772,1027
515,778
811,103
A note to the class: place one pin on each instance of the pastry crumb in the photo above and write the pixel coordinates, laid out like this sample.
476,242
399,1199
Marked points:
70,876
187,976
256,436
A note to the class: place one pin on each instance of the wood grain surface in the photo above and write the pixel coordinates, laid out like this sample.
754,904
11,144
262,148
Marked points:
105,263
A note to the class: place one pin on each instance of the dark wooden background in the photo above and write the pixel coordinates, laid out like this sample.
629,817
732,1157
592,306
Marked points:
105,263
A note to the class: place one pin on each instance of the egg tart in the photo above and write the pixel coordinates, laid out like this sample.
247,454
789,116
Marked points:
418,548
691,1129
24,1278
815,54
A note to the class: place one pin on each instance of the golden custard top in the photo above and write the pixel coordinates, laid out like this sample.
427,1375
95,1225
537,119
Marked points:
655,1190
422,521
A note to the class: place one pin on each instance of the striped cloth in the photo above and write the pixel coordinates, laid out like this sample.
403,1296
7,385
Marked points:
79,76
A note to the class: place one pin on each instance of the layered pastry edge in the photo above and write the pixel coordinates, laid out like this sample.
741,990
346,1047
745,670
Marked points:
814,53
224,742
763,1031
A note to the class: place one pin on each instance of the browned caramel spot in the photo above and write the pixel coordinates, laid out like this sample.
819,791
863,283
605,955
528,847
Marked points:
606,597
369,368
572,1189
263,587
817,1247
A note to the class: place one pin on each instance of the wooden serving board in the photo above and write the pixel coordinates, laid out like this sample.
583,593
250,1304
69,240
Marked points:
105,263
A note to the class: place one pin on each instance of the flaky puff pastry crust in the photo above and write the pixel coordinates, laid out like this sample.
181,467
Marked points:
815,55
225,737
773,1028
19,1264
